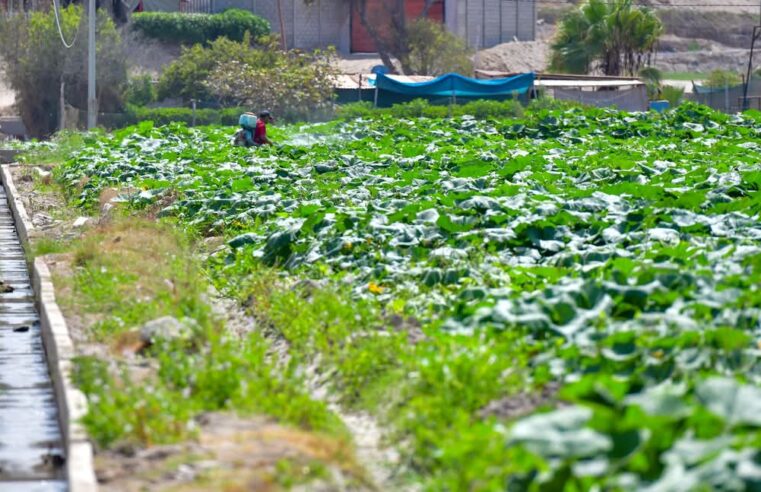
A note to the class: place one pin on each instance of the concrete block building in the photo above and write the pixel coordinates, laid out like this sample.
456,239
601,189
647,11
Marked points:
482,23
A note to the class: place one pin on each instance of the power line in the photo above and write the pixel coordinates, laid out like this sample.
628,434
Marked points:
60,31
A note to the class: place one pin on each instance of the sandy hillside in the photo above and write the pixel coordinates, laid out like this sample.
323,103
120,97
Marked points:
699,37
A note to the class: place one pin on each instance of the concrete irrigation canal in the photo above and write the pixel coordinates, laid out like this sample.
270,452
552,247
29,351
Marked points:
31,446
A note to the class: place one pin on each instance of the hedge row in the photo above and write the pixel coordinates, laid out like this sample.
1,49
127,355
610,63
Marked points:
164,116
421,107
480,109
183,28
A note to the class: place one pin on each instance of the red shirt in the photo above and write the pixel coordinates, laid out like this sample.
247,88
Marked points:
260,133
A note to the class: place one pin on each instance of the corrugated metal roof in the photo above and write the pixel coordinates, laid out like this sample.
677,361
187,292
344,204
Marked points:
576,83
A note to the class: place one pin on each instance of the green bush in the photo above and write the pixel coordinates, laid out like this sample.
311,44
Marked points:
165,116
186,76
35,63
435,51
140,91
719,79
183,28
551,104
294,84
421,108
203,116
673,95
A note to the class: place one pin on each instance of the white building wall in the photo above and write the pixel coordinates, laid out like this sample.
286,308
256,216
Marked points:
485,23
482,23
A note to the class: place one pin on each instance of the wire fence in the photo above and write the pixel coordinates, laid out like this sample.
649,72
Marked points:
197,6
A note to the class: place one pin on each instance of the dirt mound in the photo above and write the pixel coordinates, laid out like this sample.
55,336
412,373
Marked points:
524,56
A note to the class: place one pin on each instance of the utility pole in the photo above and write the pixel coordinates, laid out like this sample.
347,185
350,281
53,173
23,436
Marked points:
92,109
749,75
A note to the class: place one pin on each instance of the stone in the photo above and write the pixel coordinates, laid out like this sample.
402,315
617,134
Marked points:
164,328
80,222
41,220
44,176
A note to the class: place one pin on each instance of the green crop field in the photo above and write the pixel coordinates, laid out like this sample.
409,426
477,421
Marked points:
561,302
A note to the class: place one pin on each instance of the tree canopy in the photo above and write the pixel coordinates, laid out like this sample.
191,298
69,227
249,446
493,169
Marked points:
614,37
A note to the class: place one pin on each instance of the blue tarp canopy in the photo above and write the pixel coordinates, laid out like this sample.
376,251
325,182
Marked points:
456,85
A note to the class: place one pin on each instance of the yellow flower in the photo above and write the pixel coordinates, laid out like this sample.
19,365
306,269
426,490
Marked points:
374,288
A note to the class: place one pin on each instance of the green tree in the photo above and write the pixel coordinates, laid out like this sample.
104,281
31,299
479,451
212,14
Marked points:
652,78
723,78
235,73
435,51
615,37
294,86
36,62
186,77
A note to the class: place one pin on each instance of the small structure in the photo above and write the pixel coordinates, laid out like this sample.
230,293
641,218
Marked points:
13,127
451,88
322,23
623,93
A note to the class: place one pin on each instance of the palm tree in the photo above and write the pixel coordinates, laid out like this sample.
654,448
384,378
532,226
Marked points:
611,36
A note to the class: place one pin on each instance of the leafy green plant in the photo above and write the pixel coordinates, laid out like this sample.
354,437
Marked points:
615,36
140,91
565,300
435,51
673,95
723,78
652,78
421,108
293,84
37,64
185,28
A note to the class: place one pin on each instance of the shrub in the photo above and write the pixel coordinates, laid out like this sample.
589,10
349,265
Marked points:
673,95
183,28
493,109
186,77
652,78
165,116
203,116
421,108
435,51
551,104
36,63
723,78
292,84
140,91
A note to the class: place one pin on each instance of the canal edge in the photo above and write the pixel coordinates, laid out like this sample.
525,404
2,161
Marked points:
59,349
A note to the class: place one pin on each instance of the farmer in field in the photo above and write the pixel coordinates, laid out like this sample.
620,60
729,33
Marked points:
260,133
253,130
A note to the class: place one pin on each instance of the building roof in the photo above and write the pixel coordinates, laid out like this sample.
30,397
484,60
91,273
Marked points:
559,80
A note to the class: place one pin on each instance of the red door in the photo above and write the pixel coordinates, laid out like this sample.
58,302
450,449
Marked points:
379,15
